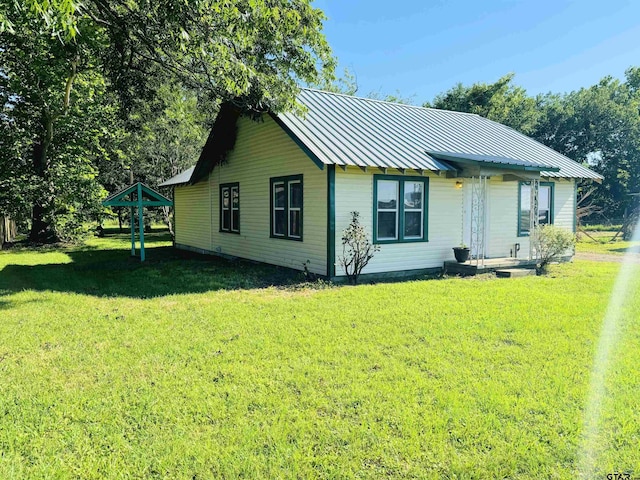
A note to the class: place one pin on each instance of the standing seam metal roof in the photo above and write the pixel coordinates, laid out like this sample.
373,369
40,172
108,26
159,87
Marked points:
346,130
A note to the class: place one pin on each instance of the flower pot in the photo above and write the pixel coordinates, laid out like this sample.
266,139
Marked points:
461,254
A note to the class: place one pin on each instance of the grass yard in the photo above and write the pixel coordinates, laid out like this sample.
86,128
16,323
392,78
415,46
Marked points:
189,367
600,243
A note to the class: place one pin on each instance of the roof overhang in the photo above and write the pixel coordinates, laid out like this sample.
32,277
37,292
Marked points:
493,161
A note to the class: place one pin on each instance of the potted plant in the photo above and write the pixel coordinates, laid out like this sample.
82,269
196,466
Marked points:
461,253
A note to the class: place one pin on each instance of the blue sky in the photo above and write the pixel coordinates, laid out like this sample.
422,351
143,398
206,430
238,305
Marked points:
421,48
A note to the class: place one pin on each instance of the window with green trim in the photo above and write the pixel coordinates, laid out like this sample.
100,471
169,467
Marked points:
230,207
545,206
400,208
286,207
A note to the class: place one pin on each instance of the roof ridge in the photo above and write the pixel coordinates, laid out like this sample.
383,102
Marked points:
388,102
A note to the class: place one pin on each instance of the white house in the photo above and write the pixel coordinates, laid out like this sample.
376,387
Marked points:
279,188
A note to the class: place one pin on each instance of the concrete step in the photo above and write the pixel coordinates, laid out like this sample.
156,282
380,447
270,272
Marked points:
515,272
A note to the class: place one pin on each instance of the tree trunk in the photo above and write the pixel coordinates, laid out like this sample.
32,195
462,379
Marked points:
7,231
42,230
120,219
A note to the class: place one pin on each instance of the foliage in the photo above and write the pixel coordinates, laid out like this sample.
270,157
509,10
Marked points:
551,244
501,101
74,75
357,250
600,126
118,371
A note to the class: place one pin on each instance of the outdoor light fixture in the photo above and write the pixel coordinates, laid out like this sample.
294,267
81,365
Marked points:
458,184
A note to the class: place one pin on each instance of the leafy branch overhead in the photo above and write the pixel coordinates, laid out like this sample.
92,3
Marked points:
80,82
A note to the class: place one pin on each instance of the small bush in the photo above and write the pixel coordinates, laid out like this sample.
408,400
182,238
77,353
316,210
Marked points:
357,250
551,243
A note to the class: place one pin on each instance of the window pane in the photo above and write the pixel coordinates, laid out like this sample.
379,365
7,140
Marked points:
525,220
225,198
525,208
387,195
413,224
295,195
235,197
226,218
294,223
235,220
525,197
543,198
413,195
386,225
279,195
543,217
280,222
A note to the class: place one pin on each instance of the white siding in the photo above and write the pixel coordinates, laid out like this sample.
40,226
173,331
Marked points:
193,220
502,200
354,192
564,204
263,150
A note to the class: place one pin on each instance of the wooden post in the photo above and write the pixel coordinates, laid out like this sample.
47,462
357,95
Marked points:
141,221
133,231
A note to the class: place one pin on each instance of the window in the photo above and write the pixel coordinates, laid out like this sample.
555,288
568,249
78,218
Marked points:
286,207
230,208
400,208
545,206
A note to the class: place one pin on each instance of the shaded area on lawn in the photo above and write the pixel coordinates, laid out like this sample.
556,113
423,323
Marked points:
167,271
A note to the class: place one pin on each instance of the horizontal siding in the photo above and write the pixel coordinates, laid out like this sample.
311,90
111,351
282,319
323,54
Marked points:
354,192
193,221
263,150
563,204
502,233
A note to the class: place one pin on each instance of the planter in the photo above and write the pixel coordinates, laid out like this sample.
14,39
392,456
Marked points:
461,254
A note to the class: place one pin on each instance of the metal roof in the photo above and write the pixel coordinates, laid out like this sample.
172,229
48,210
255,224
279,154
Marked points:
345,130
182,177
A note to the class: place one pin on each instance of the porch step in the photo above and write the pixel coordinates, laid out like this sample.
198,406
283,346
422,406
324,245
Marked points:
515,272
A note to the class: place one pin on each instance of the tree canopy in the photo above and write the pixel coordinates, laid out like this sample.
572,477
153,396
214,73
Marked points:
79,82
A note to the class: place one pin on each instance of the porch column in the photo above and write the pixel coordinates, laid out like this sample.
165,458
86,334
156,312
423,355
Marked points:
534,219
478,218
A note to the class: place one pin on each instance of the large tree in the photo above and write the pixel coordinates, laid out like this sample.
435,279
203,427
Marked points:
60,59
501,101
599,125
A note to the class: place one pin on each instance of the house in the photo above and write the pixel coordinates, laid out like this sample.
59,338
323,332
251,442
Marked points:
279,188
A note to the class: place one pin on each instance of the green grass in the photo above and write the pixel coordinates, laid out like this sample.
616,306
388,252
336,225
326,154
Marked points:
190,367
601,243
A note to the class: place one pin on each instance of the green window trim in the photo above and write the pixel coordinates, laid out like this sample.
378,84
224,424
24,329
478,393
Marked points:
234,225
287,182
400,209
551,185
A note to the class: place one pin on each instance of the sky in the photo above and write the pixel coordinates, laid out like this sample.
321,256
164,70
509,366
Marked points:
422,48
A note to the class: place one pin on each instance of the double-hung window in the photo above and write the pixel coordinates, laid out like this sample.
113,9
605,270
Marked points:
286,207
230,207
400,208
545,206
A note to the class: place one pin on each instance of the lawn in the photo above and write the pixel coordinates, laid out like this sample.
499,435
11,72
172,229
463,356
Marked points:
600,242
188,367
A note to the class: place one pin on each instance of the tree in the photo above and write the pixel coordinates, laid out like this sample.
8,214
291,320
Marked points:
77,71
598,126
357,250
501,101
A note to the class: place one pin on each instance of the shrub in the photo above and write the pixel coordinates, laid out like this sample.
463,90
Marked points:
551,243
357,250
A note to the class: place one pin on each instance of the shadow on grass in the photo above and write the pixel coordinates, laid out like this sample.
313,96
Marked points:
166,271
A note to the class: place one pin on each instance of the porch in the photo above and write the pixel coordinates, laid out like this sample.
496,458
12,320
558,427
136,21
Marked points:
473,267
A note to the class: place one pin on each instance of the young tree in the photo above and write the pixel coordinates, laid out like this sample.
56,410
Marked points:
357,250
